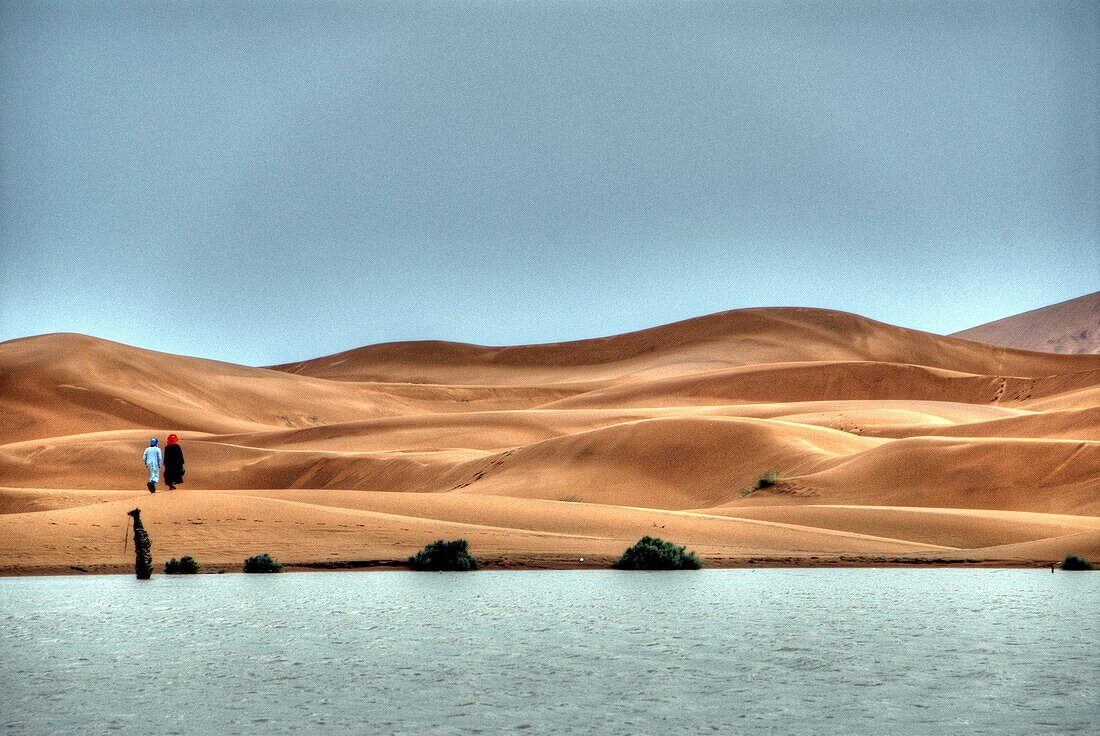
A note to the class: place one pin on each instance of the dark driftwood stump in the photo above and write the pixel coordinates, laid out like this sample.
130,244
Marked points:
143,558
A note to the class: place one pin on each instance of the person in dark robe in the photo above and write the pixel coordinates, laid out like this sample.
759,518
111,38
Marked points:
173,462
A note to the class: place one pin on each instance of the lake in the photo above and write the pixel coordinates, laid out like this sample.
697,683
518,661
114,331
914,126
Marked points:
799,651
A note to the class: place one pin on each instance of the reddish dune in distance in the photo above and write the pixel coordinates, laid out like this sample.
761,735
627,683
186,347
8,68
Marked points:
891,446
1071,327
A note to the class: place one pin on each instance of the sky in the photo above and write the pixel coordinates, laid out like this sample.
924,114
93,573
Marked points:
263,182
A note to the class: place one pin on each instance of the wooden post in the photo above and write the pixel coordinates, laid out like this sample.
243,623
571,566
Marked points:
143,558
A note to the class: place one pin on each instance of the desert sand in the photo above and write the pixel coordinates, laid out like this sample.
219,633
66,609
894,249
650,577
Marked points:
891,446
1072,326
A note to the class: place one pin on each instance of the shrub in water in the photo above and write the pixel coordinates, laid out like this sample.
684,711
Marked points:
440,555
262,563
185,565
1076,562
654,553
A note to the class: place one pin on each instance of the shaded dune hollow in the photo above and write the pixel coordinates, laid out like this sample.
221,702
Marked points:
880,445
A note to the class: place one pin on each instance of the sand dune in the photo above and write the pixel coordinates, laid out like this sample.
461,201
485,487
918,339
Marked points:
1071,326
891,446
88,385
728,339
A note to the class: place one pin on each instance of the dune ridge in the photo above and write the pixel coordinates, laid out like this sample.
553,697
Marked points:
892,446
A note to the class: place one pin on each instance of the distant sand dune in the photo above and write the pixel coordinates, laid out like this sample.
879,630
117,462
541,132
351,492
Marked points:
1071,327
892,446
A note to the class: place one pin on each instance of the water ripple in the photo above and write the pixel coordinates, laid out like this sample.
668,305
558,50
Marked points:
741,651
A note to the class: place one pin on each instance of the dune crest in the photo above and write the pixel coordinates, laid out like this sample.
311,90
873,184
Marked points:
890,445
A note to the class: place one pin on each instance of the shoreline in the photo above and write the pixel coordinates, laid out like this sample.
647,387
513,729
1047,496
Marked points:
548,563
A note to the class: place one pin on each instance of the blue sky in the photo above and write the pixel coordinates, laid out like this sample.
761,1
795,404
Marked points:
269,181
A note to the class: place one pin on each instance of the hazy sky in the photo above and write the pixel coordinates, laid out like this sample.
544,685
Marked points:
268,181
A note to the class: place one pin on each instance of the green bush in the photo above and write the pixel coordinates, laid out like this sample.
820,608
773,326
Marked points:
767,480
654,553
262,563
1076,562
185,565
440,555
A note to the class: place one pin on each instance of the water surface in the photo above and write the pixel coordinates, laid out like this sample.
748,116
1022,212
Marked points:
826,651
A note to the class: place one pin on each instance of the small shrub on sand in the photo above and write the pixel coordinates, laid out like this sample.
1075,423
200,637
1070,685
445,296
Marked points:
571,499
767,480
1076,562
654,553
262,563
185,565
440,555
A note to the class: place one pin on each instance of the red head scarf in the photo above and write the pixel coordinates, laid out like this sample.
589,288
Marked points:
173,439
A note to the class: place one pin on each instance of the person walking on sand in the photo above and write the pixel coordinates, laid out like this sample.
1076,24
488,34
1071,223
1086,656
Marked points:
173,462
154,460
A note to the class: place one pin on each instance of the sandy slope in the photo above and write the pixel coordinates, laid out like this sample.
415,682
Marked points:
1071,326
891,446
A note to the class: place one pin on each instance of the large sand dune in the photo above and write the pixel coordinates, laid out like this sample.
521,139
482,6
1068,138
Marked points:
891,446
1071,326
